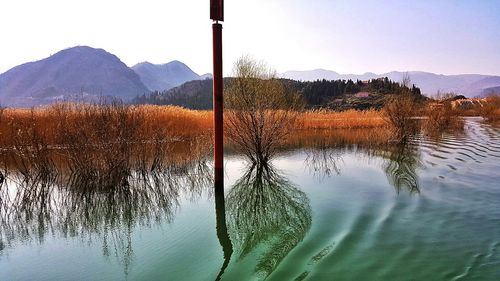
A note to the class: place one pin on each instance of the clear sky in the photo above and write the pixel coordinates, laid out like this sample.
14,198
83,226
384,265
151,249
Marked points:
349,36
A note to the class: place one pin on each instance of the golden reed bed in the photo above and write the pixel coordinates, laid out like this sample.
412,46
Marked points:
61,123
350,119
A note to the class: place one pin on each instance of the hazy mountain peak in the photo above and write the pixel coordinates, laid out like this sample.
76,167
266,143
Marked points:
159,77
174,62
80,70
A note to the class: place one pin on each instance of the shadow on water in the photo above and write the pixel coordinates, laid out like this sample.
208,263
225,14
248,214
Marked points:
266,209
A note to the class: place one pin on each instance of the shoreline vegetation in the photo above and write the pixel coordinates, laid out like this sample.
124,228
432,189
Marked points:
66,124
113,145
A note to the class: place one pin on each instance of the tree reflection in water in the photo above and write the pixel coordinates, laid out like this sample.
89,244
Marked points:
400,164
265,208
323,162
96,206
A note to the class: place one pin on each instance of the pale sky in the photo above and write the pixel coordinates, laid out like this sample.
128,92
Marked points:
441,36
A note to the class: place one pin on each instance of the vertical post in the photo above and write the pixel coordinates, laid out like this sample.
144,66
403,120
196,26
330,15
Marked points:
217,14
218,104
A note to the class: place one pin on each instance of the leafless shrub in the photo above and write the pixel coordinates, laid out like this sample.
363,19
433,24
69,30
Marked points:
441,117
260,114
443,96
399,111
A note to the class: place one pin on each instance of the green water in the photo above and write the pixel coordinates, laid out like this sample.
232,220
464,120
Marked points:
429,210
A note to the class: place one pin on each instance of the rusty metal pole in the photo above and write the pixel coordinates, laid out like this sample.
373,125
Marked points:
217,14
218,103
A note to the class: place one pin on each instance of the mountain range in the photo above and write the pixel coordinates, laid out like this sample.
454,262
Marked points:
160,77
469,85
87,74
84,73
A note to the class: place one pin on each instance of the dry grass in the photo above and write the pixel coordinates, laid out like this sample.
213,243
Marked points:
488,108
96,140
350,119
61,124
338,138
441,117
64,124
76,126
491,109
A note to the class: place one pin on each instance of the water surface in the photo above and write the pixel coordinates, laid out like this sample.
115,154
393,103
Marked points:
427,210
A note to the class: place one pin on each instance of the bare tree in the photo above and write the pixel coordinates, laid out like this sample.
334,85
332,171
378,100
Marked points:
260,113
400,110
406,80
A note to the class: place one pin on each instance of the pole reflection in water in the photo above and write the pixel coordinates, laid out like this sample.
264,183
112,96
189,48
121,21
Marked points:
221,225
266,209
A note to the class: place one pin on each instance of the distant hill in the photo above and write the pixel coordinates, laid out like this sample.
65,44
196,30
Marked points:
334,94
492,91
160,77
195,94
80,73
469,85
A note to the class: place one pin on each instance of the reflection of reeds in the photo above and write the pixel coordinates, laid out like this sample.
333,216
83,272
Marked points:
96,139
102,201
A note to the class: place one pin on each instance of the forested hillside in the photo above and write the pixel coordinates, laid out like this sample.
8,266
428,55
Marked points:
333,94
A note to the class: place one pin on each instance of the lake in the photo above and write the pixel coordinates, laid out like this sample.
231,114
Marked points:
426,210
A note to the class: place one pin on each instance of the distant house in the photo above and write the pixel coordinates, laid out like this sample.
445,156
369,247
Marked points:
466,104
362,95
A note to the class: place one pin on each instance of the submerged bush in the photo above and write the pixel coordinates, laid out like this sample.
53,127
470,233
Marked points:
399,112
440,117
260,113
